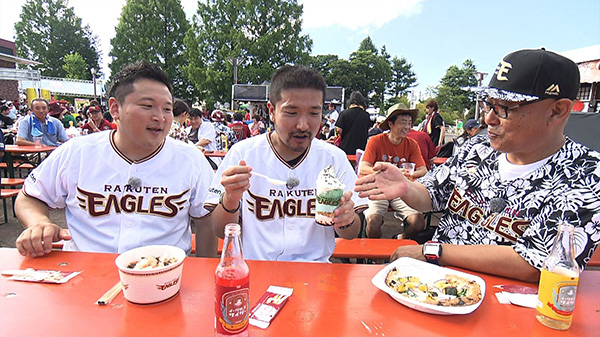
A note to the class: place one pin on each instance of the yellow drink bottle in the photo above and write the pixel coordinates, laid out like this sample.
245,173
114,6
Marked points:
558,282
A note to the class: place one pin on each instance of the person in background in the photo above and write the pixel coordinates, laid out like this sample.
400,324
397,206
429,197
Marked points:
332,114
295,107
96,121
434,125
39,124
376,129
5,119
428,150
241,129
504,196
201,133
180,114
118,188
353,124
394,147
472,128
221,129
257,127
68,117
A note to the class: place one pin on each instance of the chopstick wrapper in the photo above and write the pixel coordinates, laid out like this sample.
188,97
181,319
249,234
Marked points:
269,305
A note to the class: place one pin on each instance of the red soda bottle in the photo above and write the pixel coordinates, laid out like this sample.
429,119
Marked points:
232,287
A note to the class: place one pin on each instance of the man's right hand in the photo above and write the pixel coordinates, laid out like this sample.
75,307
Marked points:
388,182
235,181
37,240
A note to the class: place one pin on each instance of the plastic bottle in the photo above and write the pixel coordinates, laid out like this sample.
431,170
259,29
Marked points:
232,287
558,282
72,131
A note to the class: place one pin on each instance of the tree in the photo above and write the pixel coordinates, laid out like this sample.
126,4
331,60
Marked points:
153,30
326,65
451,98
371,72
266,34
403,78
48,30
75,66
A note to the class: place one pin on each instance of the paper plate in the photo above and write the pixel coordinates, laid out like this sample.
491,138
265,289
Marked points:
427,273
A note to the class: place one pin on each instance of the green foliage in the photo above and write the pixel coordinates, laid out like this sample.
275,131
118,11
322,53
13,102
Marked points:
452,99
153,30
403,78
48,30
75,66
265,33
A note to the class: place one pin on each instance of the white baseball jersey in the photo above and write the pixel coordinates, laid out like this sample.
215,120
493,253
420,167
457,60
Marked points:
279,223
113,204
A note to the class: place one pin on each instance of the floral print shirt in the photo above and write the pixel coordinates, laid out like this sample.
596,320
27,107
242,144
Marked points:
178,131
481,208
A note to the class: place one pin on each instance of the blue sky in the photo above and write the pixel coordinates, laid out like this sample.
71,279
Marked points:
431,34
443,33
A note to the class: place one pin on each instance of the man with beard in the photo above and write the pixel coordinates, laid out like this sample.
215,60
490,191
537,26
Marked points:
278,222
505,195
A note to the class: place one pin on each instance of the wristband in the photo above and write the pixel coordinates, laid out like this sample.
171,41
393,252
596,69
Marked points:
225,208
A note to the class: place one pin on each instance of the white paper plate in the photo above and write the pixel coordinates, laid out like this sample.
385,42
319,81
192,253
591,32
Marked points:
427,273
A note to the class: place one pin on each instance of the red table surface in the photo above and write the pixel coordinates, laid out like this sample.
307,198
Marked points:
28,149
328,300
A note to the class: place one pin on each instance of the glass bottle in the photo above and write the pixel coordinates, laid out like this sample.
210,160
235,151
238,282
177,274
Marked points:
558,282
232,291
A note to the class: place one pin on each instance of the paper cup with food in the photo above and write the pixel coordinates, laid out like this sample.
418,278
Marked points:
151,274
329,195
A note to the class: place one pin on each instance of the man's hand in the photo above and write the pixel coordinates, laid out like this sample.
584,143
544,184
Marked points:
37,240
344,214
235,181
416,252
388,182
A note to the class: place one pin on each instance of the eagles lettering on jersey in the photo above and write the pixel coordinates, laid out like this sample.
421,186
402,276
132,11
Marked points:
505,226
132,201
270,208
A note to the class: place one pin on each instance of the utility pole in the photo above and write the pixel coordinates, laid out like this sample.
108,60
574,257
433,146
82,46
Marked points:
236,61
480,77
93,71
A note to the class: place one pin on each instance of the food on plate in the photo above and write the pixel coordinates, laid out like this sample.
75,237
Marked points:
151,262
453,290
329,195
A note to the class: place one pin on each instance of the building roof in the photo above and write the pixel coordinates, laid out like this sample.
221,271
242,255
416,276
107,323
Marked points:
585,54
18,60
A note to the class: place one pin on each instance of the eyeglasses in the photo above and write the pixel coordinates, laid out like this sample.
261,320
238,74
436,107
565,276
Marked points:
502,110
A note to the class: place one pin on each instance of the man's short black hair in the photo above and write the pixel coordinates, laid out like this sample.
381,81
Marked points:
195,112
3,108
238,116
123,82
295,77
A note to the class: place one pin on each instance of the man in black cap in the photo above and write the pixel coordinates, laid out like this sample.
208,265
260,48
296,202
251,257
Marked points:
504,196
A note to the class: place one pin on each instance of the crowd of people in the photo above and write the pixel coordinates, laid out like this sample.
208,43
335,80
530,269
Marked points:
502,194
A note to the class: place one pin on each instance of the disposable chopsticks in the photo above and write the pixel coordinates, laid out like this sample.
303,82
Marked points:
110,294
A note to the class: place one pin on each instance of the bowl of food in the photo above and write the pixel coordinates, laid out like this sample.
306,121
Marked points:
151,274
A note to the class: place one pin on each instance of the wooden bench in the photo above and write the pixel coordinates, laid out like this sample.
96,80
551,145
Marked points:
8,193
11,182
360,248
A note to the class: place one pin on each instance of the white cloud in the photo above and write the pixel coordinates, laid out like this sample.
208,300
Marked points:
357,15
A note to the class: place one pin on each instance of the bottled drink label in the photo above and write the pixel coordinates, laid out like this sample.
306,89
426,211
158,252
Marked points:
556,295
232,306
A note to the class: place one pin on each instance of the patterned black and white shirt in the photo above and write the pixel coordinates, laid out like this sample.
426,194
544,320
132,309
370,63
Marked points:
481,208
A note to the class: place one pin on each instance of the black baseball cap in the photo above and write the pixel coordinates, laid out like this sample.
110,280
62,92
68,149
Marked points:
530,74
